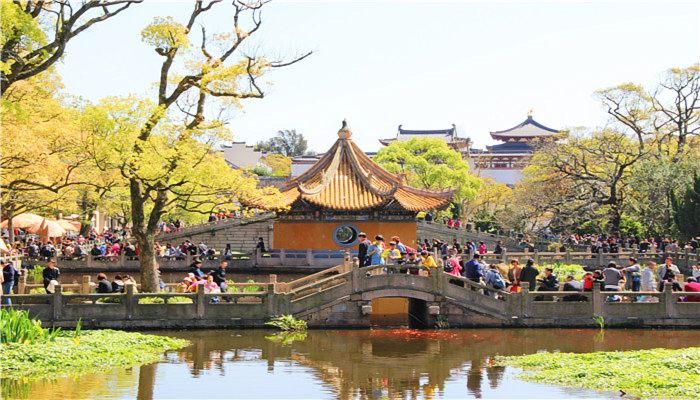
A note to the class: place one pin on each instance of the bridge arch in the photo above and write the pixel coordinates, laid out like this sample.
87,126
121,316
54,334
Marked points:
372,294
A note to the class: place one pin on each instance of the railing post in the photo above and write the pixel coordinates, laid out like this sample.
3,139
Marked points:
600,258
270,298
669,300
598,300
347,262
57,302
200,300
567,256
310,257
129,300
537,257
526,302
283,257
688,264
85,285
22,286
273,282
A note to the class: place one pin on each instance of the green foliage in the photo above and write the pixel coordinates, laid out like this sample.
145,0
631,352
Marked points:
630,226
18,26
561,270
430,164
160,300
288,337
287,323
687,209
251,288
288,143
36,274
17,327
656,373
165,34
96,351
442,322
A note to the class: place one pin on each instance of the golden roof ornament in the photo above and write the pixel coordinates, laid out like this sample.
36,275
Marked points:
345,132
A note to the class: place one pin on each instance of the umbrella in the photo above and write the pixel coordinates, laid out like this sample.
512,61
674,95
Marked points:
50,229
25,221
3,247
69,225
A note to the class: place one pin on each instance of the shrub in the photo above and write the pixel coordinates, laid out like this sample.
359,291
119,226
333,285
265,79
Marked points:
36,274
561,270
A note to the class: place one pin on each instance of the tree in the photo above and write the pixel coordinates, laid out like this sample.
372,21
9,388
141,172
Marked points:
288,143
431,164
165,150
35,33
279,164
687,209
42,154
666,116
589,175
491,199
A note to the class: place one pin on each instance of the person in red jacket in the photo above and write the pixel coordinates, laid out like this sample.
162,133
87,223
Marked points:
692,286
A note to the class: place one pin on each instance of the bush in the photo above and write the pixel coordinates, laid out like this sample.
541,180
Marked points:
36,274
160,300
561,270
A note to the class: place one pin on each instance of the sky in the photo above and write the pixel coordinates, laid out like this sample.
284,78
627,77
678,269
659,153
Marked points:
422,64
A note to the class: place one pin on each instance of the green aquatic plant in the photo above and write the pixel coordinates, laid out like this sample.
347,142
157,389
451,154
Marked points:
36,274
442,322
251,288
655,373
18,327
600,320
287,338
97,350
287,323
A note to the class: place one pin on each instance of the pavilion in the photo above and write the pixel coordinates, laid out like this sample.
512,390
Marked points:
505,162
449,136
345,193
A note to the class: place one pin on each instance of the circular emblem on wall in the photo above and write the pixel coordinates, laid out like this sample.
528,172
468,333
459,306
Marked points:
345,235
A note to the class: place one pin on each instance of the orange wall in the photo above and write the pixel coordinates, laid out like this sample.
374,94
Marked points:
299,235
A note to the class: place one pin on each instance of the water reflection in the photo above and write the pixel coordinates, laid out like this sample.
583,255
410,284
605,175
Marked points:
348,365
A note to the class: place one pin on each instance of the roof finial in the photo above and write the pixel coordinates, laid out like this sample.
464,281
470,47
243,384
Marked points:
345,132
529,113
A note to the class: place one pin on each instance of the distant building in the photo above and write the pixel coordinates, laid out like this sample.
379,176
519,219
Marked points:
301,164
448,135
241,156
504,162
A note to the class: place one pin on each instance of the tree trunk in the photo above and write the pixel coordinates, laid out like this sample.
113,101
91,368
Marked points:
10,227
148,263
615,221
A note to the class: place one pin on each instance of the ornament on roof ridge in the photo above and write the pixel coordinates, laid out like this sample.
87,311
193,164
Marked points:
345,132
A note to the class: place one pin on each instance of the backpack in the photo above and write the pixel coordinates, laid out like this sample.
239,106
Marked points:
496,280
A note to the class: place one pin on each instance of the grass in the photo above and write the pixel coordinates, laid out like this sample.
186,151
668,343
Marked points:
17,327
656,373
92,351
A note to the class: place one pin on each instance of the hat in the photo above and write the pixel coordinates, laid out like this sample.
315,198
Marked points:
362,234
379,237
392,243
187,279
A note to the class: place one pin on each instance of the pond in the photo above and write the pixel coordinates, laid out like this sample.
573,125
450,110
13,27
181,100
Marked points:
369,364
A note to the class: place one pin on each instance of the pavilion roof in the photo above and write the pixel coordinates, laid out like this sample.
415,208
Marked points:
346,179
528,129
449,135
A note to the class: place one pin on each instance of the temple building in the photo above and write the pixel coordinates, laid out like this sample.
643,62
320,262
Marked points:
504,162
345,193
448,135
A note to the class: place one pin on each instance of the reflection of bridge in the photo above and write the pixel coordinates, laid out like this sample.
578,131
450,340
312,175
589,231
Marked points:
342,297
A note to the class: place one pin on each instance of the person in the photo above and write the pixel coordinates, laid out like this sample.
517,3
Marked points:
588,282
453,265
692,286
473,270
412,263
427,260
184,286
696,272
514,274
228,252
196,268
428,217
9,277
392,255
611,280
375,250
118,284
202,249
103,285
130,251
572,285
456,245
529,274
482,248
363,248
648,281
129,280
549,283
667,273
50,275
261,245
219,275
499,247
633,276
399,246
494,279
95,252
210,286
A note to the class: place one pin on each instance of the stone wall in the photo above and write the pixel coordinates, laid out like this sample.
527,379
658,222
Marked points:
241,235
427,230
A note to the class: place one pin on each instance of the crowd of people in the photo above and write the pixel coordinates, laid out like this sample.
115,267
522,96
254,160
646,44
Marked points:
399,257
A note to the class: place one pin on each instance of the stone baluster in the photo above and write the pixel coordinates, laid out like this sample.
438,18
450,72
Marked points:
85,286
200,300
57,302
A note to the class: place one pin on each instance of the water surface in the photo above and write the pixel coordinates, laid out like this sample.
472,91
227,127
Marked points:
362,364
